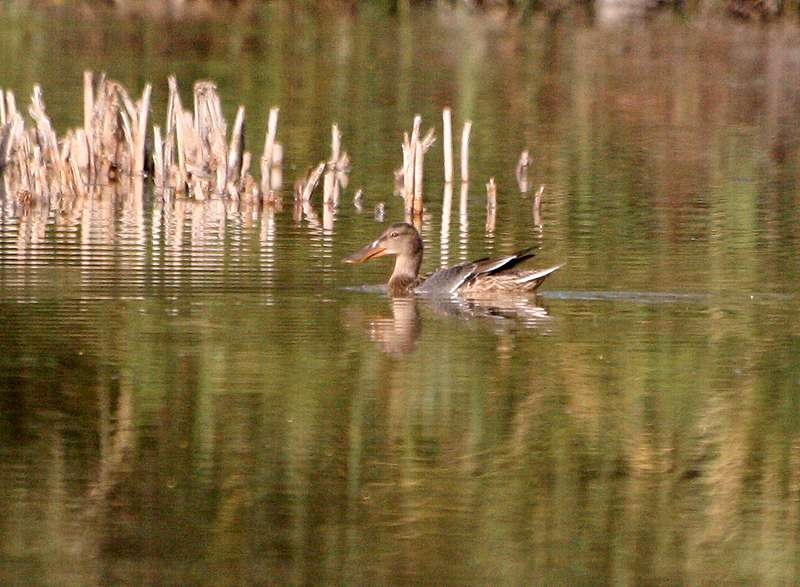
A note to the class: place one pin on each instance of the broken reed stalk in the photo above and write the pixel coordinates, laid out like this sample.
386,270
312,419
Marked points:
491,205
268,156
88,101
447,133
175,122
45,136
141,132
11,103
330,195
276,169
211,144
465,151
158,158
244,170
88,113
419,155
312,181
537,206
409,163
236,148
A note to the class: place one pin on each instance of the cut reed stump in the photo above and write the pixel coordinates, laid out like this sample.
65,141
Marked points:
334,173
194,156
37,165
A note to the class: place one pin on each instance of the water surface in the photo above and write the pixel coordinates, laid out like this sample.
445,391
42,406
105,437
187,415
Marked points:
201,393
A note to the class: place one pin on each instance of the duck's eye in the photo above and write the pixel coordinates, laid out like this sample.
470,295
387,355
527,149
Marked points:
394,235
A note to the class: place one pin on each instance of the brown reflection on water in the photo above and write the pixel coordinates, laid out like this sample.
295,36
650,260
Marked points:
395,335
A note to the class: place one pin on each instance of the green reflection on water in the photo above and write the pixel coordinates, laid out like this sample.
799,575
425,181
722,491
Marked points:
190,395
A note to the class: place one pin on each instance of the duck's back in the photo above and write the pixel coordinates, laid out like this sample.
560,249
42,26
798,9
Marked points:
451,279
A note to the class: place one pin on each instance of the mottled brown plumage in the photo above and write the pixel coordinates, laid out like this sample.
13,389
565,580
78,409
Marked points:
477,277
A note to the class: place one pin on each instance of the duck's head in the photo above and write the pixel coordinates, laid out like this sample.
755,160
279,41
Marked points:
400,239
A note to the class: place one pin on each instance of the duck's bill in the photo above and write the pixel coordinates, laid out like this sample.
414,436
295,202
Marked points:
371,251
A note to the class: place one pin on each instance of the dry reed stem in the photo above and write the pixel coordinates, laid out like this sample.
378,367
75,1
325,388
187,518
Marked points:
414,150
88,113
409,163
175,125
419,156
45,136
236,148
210,154
2,107
330,194
428,140
158,158
312,181
268,157
246,158
11,103
142,113
76,179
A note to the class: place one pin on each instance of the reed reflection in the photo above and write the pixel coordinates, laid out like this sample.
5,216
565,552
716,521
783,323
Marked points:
32,219
444,239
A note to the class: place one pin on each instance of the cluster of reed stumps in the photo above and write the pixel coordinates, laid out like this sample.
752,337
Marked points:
192,156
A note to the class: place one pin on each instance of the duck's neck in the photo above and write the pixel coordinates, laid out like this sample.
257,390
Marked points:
405,275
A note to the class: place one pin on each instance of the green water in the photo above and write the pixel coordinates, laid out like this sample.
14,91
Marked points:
201,393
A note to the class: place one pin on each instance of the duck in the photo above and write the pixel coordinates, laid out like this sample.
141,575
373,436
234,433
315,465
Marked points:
483,276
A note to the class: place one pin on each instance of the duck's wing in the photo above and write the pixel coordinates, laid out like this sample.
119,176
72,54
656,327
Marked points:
448,280
498,264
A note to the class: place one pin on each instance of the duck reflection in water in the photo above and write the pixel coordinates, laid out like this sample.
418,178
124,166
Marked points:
398,334
484,276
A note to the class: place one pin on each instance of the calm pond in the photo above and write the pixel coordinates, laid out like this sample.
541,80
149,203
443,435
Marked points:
201,393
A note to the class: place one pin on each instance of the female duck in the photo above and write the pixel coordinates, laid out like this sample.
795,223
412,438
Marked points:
476,277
